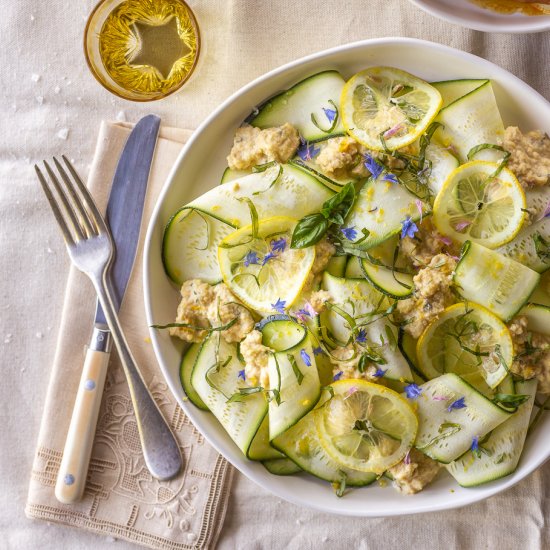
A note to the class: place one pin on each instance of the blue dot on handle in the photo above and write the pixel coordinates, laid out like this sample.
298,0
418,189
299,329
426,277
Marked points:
69,479
89,385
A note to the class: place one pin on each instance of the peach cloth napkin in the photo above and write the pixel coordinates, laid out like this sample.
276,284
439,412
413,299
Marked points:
121,498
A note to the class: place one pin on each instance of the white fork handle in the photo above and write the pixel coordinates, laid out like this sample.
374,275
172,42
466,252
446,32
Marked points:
73,471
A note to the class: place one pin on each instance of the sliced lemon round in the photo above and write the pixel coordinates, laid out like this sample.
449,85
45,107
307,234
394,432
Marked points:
388,102
365,426
468,340
259,266
478,206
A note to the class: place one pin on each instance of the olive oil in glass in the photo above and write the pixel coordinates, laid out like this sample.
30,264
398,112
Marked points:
142,49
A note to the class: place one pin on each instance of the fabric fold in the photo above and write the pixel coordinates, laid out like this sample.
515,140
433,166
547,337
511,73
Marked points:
122,499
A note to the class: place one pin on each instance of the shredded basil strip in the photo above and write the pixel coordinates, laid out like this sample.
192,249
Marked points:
510,400
340,485
334,122
202,215
214,369
297,372
425,140
482,146
243,393
193,327
451,428
263,168
392,342
253,216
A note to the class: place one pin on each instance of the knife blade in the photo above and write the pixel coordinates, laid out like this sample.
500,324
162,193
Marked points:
124,214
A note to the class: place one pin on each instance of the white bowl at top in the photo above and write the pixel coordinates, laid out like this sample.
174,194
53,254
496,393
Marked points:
473,16
199,167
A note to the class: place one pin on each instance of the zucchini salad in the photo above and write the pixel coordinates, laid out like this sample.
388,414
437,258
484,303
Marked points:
363,294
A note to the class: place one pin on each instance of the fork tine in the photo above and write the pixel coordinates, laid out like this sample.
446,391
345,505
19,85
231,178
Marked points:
96,216
69,209
55,208
77,202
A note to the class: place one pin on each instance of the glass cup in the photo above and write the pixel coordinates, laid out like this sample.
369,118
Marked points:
92,50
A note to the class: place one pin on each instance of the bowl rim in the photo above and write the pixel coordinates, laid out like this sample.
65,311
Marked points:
473,496
539,23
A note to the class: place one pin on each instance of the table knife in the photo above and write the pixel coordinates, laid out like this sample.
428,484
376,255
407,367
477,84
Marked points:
124,213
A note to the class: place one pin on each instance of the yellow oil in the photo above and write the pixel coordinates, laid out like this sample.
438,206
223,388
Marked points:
512,6
149,46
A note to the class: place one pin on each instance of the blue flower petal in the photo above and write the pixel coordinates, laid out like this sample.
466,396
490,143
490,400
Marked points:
251,258
279,306
408,228
305,357
373,166
278,245
349,232
330,114
412,390
268,256
308,151
458,404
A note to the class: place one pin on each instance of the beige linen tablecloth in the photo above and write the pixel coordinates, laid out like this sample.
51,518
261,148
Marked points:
51,104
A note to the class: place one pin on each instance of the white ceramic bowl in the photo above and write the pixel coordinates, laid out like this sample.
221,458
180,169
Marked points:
200,166
472,16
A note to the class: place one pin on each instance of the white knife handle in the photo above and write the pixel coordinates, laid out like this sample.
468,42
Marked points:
73,471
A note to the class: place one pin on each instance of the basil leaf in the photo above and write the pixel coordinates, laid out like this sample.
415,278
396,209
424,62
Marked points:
340,203
511,400
309,231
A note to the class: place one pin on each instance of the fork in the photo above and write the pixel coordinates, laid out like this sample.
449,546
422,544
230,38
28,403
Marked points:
91,249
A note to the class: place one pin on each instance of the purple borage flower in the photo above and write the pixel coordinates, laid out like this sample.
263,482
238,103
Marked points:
305,357
279,306
338,375
407,459
330,114
373,166
241,375
462,225
412,390
419,205
380,372
392,178
251,258
458,404
546,212
268,256
361,337
349,232
301,315
392,131
408,228
445,240
307,151
318,350
475,446
278,245
306,311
